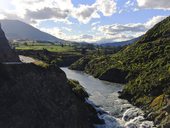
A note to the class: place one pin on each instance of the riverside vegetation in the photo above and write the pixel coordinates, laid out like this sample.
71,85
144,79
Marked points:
145,68
62,55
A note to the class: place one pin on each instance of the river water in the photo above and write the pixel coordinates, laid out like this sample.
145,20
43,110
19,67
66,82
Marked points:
116,112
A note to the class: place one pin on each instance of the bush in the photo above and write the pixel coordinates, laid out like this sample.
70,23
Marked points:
78,89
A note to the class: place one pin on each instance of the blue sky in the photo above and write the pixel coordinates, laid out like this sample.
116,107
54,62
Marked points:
88,20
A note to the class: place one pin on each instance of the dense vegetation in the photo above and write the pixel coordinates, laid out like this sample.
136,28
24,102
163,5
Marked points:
60,54
78,89
60,59
51,47
147,64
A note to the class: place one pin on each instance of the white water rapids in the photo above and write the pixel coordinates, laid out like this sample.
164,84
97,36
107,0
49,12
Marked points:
116,112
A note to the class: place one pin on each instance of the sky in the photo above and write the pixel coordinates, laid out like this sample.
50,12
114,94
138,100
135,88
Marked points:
88,20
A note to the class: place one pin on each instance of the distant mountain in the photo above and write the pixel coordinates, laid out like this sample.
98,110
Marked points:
17,30
122,43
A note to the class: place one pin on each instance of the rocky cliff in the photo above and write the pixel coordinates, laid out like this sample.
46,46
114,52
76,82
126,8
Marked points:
6,53
40,97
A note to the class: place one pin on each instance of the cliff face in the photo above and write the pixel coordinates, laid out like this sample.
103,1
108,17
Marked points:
6,53
37,97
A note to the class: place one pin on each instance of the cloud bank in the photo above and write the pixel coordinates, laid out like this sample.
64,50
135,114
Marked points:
154,4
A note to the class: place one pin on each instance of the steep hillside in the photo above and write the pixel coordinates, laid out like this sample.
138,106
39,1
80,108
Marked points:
17,30
41,97
6,53
147,67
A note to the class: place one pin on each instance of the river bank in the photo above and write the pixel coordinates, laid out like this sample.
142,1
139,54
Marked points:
144,67
116,112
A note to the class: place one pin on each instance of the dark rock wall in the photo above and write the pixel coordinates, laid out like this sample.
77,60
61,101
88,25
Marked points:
36,97
6,53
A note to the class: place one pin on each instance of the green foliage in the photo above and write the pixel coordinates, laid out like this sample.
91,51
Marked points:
81,63
78,89
51,48
148,65
158,102
41,64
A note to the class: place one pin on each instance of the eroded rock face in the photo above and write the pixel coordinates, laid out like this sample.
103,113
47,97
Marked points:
114,75
6,53
35,97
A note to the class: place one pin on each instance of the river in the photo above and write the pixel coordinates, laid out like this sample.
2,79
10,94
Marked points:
116,112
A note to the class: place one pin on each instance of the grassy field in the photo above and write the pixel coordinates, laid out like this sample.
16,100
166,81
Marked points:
66,49
51,48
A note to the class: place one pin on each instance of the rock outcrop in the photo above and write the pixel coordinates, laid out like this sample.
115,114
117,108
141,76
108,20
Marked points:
40,97
114,75
6,53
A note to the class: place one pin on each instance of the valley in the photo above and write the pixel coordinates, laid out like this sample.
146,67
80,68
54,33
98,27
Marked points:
84,64
142,66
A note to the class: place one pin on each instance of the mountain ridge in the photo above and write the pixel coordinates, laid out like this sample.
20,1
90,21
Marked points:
18,30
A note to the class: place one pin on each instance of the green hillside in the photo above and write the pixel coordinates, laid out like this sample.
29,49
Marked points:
145,68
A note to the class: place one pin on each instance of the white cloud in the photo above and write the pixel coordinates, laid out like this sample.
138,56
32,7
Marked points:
108,33
125,31
107,7
60,34
2,16
117,28
34,10
129,6
114,38
84,13
95,23
47,13
86,37
67,29
130,3
154,21
154,4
